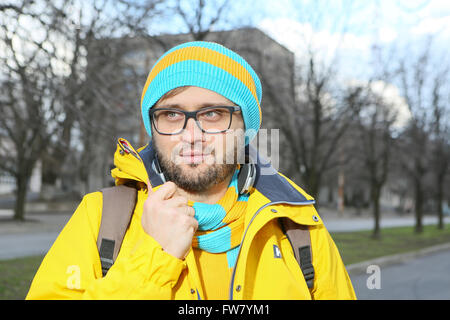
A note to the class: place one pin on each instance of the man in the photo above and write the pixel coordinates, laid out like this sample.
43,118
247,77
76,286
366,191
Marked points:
203,227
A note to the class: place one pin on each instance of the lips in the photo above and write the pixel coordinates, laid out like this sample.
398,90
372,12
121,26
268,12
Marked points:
194,155
190,157
191,154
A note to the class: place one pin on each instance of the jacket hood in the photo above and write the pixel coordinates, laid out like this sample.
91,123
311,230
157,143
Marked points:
136,167
129,167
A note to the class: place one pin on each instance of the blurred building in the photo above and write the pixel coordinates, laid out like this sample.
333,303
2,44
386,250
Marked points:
123,65
273,63
7,180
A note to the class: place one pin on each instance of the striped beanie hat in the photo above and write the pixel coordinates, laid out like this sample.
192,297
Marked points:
211,66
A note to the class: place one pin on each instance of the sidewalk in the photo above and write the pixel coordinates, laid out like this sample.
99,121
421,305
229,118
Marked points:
34,223
349,221
32,237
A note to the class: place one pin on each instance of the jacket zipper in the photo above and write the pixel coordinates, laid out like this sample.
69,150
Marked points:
246,229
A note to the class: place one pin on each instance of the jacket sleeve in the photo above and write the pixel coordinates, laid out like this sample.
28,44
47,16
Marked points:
72,270
331,281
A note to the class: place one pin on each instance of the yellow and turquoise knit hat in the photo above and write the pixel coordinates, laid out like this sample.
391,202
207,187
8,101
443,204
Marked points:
211,66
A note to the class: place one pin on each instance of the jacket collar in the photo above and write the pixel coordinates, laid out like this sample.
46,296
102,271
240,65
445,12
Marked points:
148,155
268,181
271,184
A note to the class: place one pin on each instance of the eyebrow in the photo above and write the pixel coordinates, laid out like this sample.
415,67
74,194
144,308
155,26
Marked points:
203,105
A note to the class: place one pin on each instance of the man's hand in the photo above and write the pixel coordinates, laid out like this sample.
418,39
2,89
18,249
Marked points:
169,220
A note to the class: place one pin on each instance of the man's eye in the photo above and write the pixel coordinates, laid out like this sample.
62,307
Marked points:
211,114
171,115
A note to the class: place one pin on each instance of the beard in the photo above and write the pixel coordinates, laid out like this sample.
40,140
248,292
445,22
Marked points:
195,181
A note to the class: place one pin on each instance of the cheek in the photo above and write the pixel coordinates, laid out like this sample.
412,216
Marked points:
226,144
167,145
237,123
219,142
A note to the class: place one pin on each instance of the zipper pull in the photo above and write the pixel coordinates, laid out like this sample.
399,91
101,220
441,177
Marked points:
127,149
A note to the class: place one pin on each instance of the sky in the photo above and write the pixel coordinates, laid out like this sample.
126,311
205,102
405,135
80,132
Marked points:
346,29
355,28
349,30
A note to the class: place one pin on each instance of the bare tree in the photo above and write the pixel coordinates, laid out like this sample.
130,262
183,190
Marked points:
199,18
31,90
415,74
375,119
97,34
49,87
319,114
440,137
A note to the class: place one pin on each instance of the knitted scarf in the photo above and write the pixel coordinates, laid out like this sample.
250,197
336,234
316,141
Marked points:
220,225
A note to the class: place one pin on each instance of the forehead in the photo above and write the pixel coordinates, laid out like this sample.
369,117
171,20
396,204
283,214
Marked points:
193,97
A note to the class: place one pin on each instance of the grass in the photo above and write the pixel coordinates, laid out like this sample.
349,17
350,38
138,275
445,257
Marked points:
16,275
359,246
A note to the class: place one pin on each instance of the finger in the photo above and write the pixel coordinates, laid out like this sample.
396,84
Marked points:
191,224
184,211
178,201
167,190
189,211
194,225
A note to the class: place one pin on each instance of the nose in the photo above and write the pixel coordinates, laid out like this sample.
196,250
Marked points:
192,133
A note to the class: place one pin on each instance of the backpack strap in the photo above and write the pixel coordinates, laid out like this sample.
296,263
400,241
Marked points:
118,207
298,236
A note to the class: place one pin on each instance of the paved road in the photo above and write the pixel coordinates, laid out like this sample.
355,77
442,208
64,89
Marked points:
419,279
33,237
22,245
365,223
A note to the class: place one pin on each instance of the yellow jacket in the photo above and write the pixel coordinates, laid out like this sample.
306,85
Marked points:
72,270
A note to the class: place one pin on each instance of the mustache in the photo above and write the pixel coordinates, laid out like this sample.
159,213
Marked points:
189,149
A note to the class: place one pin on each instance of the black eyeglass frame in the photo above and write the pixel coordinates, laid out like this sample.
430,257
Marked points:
192,114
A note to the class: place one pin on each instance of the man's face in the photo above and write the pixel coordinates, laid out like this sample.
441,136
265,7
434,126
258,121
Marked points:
192,159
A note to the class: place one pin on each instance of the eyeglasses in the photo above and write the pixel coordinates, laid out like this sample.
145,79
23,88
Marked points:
170,121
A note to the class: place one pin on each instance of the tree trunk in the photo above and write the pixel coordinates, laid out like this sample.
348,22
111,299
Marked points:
311,179
376,211
418,207
51,169
21,194
439,199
